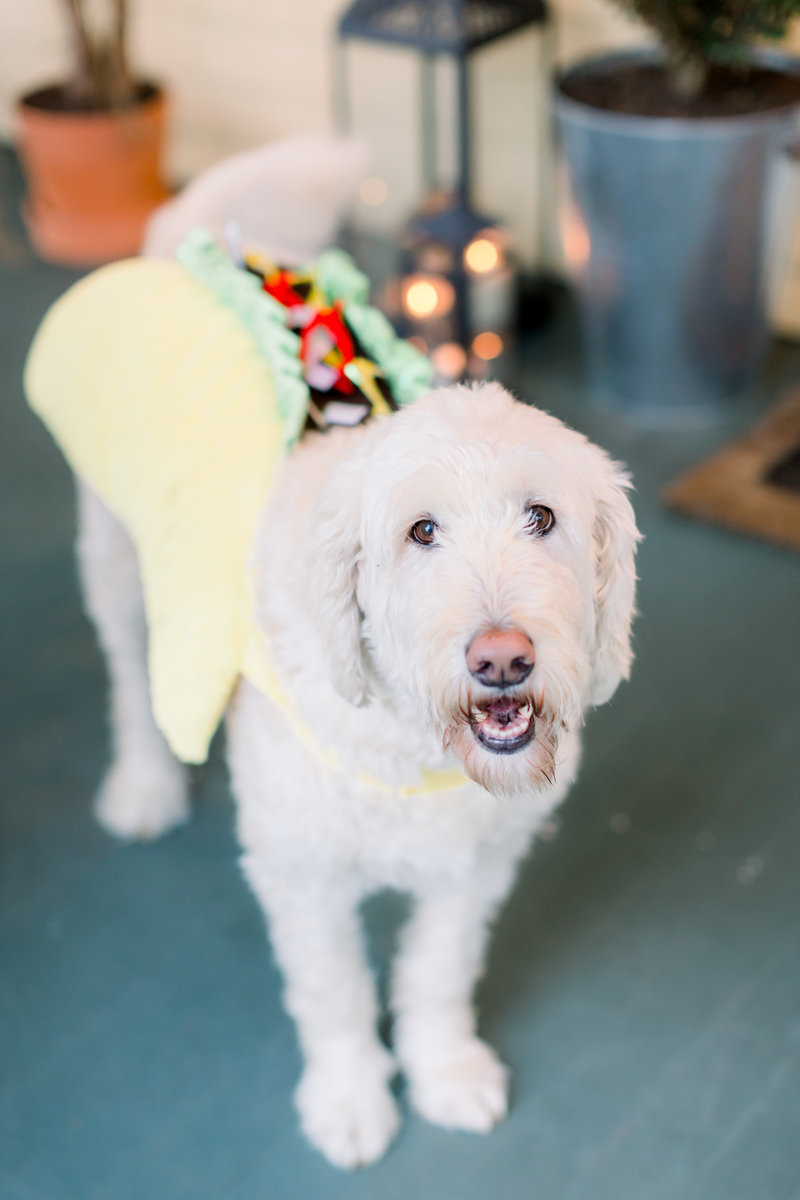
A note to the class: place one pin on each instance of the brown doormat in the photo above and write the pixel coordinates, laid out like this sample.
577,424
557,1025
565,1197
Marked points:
753,485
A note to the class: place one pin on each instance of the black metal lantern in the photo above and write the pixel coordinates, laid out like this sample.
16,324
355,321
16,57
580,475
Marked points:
457,285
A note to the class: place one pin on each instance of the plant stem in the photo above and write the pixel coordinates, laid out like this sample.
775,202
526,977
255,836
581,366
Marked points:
688,76
81,83
121,85
102,77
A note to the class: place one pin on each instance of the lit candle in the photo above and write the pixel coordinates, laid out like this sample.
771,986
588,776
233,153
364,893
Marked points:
426,296
449,360
490,281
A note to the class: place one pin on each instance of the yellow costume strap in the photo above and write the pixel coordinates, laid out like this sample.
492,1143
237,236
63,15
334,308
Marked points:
257,668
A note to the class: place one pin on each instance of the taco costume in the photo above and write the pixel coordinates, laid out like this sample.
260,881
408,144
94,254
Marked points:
175,389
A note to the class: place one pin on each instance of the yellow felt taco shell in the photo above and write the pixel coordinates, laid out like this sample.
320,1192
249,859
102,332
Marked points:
161,401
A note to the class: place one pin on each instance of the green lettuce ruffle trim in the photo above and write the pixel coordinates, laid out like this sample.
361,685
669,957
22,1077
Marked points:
263,318
407,372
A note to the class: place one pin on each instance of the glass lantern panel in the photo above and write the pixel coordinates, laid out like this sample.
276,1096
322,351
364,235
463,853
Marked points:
383,101
512,155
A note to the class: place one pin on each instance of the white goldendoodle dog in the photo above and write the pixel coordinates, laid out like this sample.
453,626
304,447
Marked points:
446,591
450,585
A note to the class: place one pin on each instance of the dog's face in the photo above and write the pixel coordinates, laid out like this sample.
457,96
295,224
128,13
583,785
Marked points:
476,556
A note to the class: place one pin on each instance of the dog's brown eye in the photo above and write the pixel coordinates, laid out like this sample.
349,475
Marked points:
423,532
540,519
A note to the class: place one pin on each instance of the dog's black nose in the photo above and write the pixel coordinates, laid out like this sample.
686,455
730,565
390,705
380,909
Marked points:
501,657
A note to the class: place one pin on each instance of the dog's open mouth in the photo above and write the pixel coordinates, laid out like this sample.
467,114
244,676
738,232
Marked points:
503,726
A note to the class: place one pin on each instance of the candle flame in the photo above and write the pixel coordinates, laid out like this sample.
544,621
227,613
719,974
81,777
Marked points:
487,345
449,359
374,191
427,296
481,255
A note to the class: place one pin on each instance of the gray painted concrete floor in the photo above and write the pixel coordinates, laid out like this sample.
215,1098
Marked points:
645,977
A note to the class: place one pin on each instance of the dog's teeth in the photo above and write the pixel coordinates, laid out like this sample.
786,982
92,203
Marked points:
525,709
479,715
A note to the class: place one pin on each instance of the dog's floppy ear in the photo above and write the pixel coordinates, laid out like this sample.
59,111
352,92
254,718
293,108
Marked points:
615,537
335,557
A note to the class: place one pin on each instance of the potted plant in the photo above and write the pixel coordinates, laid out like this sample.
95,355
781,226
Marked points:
672,156
91,147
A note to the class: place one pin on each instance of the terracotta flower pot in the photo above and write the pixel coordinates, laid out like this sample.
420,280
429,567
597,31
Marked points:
93,177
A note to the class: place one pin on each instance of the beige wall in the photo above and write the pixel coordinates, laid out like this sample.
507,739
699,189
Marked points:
243,71
239,70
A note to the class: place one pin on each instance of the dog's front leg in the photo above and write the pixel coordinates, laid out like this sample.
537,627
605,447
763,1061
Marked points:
345,1105
455,1078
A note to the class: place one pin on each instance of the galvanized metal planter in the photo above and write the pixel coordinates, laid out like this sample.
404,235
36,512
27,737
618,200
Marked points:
671,246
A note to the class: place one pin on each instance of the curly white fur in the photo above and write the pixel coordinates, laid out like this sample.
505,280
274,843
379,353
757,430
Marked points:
369,631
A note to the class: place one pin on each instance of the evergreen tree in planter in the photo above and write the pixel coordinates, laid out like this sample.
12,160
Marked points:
92,146
671,155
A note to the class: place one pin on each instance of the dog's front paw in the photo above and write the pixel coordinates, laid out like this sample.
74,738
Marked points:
346,1108
141,803
465,1089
